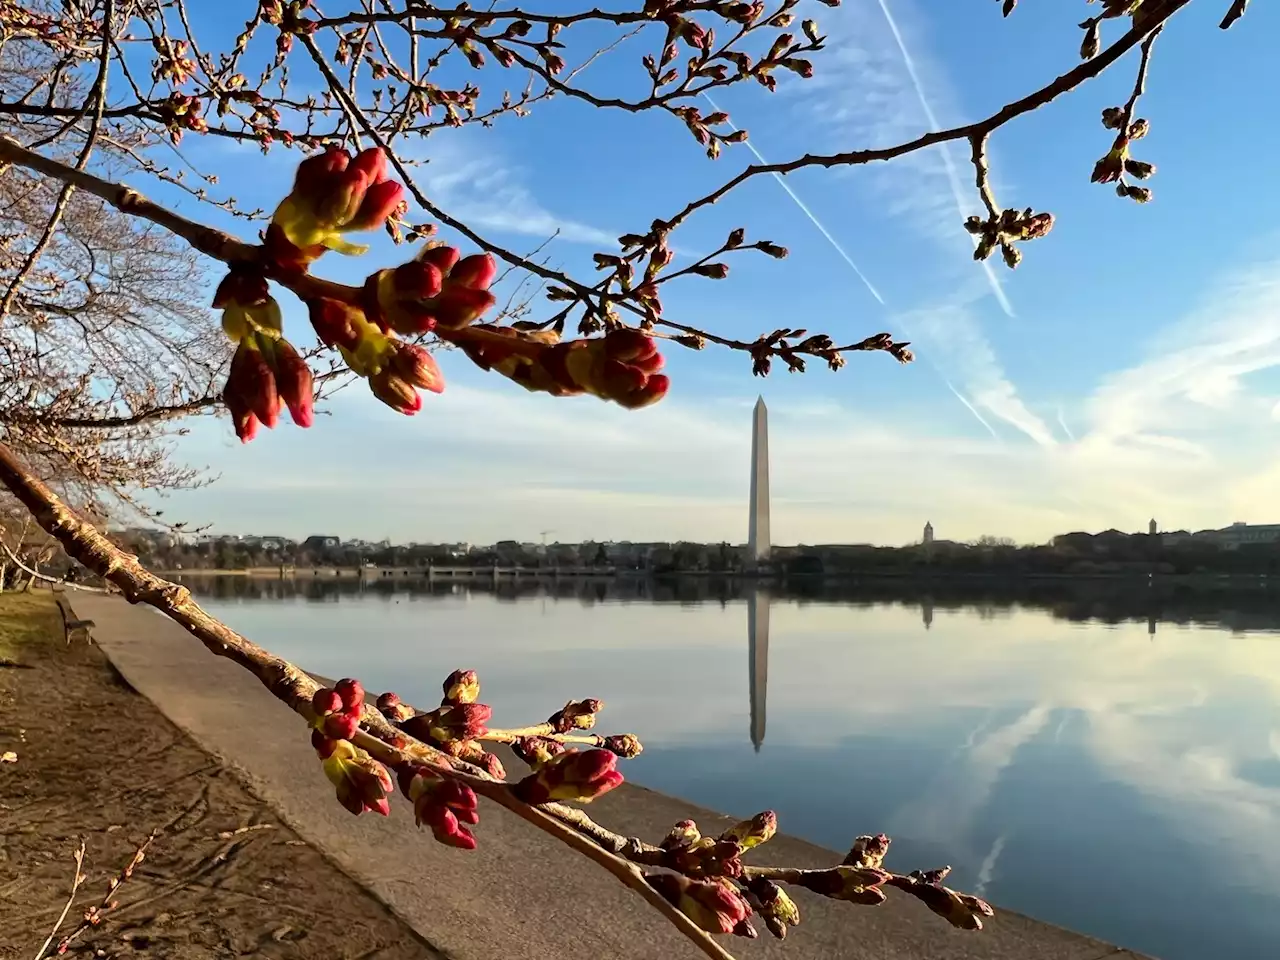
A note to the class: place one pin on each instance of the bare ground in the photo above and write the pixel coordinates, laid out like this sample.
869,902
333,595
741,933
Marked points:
224,878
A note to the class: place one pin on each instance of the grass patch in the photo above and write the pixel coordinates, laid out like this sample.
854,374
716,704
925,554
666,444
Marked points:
26,618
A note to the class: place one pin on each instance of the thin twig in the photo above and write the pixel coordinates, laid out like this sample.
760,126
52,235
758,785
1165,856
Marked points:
75,888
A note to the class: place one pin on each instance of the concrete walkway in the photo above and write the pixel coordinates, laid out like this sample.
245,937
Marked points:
520,895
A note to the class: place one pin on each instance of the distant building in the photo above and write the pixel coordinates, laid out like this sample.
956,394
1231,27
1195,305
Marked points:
928,534
1240,533
1153,528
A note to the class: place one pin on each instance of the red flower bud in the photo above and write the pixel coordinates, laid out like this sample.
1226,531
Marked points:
325,701
389,706
417,366
441,804
341,726
295,383
241,285
351,692
451,722
714,906
380,202
459,306
461,686
246,424
476,271
442,257
573,775
335,323
361,782
252,382
417,280
535,751
316,173
395,392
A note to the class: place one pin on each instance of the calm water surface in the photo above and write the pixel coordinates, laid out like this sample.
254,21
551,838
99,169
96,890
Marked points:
1108,761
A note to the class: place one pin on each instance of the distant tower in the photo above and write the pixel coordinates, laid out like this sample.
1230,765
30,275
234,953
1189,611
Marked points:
758,523
758,661
926,612
1153,528
928,534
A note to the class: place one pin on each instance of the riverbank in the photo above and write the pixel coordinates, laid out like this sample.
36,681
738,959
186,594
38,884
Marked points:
518,894
91,759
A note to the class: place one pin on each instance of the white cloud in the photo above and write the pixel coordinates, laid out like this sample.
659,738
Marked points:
479,187
879,87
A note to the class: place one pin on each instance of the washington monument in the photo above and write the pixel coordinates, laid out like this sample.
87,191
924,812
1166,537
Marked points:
758,523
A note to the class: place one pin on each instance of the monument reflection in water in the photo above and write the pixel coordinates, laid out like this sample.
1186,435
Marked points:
758,661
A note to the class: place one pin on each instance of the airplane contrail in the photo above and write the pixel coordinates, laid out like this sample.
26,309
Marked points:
813,218
957,192
804,208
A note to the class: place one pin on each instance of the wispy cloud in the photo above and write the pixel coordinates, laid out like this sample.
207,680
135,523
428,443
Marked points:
889,104
482,189
953,177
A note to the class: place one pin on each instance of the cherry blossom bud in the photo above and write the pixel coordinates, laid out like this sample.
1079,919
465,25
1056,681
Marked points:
958,909
442,805
535,751
855,884
416,366
475,272
576,715
351,692
295,383
752,833
361,782
777,909
714,906
253,384
868,851
573,775
451,722
461,686
395,392
625,745
389,706
325,701
336,324
683,834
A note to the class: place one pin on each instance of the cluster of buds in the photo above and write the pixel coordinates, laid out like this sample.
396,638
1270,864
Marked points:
442,804
361,782
625,745
686,850
537,751
438,289
621,366
1003,231
1116,164
571,774
716,906
182,112
267,373
450,725
395,369
333,194
338,709
961,910
455,727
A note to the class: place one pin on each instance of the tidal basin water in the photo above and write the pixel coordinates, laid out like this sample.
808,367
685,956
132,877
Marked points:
1105,758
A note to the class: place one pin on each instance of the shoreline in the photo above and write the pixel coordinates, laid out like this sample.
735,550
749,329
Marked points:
466,574
519,893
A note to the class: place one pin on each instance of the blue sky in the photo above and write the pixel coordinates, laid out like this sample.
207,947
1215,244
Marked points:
1126,370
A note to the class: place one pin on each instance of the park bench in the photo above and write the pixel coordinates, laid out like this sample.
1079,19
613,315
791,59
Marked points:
71,624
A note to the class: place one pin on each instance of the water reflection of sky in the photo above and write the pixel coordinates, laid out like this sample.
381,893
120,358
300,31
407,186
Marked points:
1118,782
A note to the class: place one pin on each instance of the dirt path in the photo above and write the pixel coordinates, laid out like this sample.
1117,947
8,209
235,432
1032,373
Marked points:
95,760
